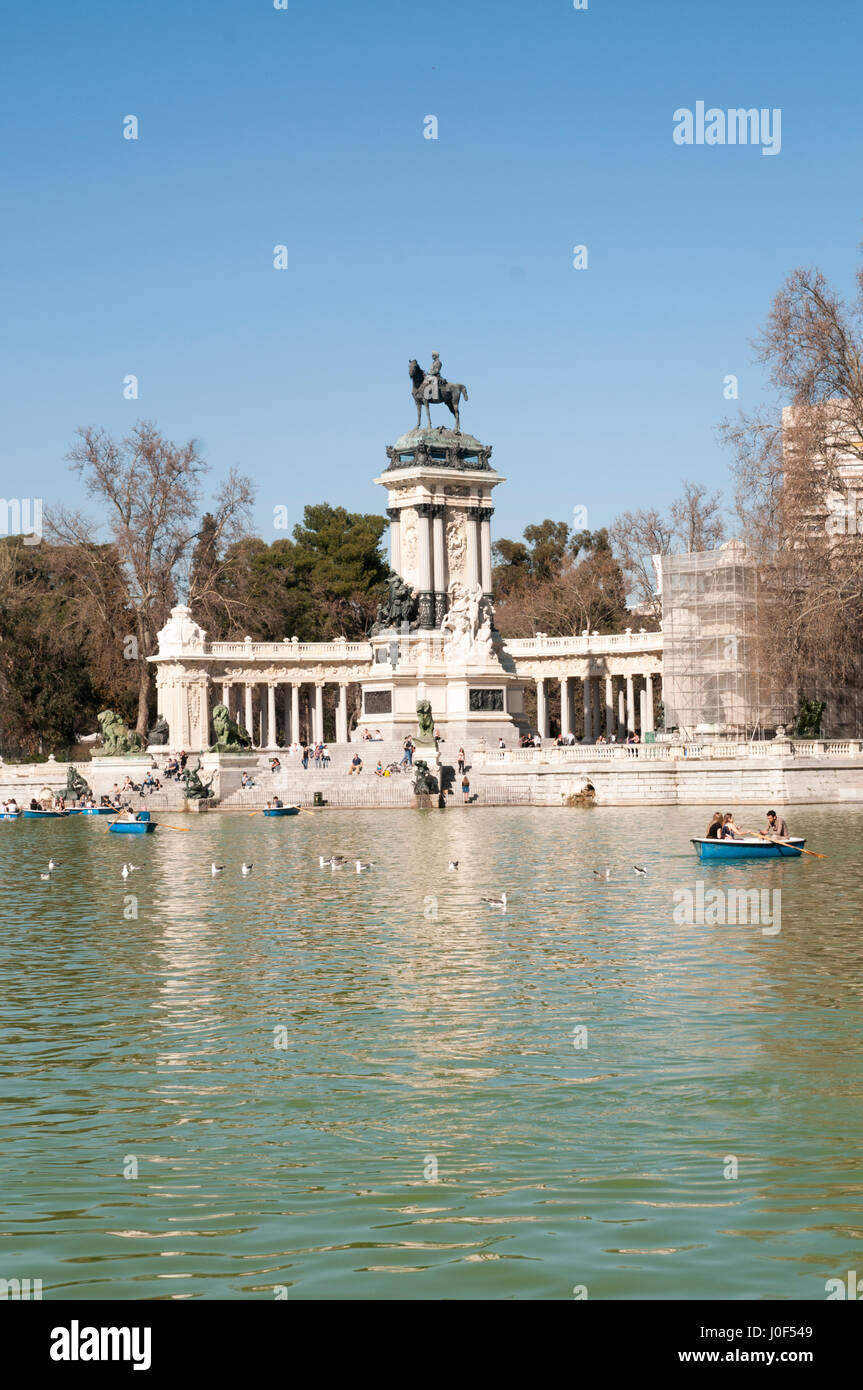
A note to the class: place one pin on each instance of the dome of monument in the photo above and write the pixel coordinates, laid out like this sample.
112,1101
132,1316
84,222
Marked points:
441,438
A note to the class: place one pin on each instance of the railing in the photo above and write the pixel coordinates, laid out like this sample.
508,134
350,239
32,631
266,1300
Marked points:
585,645
668,752
293,651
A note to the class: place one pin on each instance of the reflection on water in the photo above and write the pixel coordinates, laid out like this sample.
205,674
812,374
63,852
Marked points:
290,1058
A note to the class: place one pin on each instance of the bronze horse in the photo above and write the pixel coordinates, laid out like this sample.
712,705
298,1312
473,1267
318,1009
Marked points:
450,395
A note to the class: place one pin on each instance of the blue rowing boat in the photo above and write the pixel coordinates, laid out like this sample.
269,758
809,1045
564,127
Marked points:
282,811
749,848
45,815
9,815
97,811
141,825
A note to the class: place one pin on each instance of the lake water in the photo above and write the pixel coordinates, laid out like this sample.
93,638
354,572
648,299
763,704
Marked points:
288,1060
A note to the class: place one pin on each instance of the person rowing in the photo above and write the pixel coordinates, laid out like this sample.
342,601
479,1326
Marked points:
776,828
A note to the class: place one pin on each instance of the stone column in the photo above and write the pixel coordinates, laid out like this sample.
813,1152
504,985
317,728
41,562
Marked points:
621,712
394,515
249,720
295,712
609,707
565,713
426,604
286,713
630,705
597,708
472,515
541,709
226,695
439,547
342,714
588,722
485,548
642,711
647,725
318,735
272,741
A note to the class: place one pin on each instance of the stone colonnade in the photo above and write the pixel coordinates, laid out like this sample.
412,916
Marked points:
605,711
278,713
434,576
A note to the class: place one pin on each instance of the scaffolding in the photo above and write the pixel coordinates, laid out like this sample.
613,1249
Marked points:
711,680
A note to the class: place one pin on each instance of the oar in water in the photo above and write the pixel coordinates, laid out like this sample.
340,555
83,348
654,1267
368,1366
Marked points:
774,839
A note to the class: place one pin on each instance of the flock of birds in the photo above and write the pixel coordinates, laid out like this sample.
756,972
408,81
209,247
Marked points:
338,861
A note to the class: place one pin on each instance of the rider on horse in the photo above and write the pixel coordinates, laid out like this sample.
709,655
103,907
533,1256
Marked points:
433,380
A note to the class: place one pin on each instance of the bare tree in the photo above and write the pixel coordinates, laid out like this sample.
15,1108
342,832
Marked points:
151,489
693,522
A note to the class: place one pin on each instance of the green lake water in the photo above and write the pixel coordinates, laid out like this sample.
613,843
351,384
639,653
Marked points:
422,1031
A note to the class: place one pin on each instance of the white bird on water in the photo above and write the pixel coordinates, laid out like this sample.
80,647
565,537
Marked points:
362,864
640,869
216,869
453,864
46,876
246,870
338,861
53,864
128,869
497,902
323,862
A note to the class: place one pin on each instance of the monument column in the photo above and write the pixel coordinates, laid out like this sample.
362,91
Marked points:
471,516
394,515
226,695
647,725
621,712
250,718
630,705
318,735
425,614
342,714
565,716
485,547
286,714
541,709
588,722
295,712
609,707
437,512
272,741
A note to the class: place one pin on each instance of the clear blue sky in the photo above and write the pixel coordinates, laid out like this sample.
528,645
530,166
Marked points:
305,127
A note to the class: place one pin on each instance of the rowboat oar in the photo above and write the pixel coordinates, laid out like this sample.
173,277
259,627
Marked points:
799,848
183,829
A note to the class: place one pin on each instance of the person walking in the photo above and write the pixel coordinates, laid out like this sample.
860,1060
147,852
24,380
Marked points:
460,768
306,756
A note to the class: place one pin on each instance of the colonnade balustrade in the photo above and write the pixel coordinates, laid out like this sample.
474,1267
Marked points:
279,713
606,711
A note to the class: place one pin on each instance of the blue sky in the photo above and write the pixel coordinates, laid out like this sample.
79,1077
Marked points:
598,388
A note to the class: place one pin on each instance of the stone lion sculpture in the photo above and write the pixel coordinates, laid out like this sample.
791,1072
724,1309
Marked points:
425,720
76,787
231,737
117,738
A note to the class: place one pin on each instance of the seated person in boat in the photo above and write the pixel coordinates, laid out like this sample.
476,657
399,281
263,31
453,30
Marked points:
730,831
775,826
127,814
34,804
278,803
714,829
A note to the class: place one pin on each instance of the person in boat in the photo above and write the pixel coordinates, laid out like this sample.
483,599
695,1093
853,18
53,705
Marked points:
34,804
278,803
127,814
730,831
775,827
714,829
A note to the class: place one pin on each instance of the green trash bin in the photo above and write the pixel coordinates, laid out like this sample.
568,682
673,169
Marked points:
317,798
650,736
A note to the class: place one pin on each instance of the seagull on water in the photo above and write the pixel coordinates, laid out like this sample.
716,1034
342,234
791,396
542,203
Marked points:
323,862
338,861
640,869
128,869
497,902
53,864
362,864
602,873
246,870
453,864
46,876
216,869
